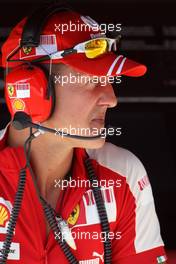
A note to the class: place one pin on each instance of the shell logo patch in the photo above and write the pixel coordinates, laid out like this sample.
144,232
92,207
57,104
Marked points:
27,50
5,211
18,105
4,215
11,90
74,215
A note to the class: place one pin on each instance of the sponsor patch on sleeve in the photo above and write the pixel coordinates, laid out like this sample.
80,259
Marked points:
161,259
14,253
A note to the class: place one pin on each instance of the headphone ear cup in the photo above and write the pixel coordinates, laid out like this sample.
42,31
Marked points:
26,90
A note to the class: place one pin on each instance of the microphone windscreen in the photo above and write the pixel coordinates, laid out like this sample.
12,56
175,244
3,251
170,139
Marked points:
21,120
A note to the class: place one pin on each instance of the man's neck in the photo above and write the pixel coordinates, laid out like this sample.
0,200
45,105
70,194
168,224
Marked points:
50,160
50,164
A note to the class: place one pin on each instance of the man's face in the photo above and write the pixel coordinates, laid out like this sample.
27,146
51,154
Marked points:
81,105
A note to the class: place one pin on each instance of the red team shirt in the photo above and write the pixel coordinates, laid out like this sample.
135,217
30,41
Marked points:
128,198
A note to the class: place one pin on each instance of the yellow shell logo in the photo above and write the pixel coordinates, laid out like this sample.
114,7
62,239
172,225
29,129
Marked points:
27,50
10,89
4,215
74,215
18,104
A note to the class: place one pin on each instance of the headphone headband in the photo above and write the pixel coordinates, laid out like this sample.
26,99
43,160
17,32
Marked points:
35,22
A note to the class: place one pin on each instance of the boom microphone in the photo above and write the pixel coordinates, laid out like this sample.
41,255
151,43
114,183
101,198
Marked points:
22,120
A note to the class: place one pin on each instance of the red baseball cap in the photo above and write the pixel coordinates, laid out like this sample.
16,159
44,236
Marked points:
63,31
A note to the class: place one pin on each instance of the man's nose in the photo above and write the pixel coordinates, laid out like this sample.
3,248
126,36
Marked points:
108,96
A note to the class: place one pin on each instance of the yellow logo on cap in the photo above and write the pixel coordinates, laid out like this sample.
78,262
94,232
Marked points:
18,104
74,215
4,215
11,90
27,50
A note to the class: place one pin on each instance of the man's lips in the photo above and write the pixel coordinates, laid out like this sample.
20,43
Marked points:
98,120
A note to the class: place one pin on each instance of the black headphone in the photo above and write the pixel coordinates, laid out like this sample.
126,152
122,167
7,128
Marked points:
26,112
39,78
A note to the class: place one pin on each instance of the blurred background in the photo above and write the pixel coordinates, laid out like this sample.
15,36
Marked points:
147,105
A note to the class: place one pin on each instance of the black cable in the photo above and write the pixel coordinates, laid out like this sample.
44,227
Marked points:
101,211
15,210
49,212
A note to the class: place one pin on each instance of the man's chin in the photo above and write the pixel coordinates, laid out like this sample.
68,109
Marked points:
95,144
